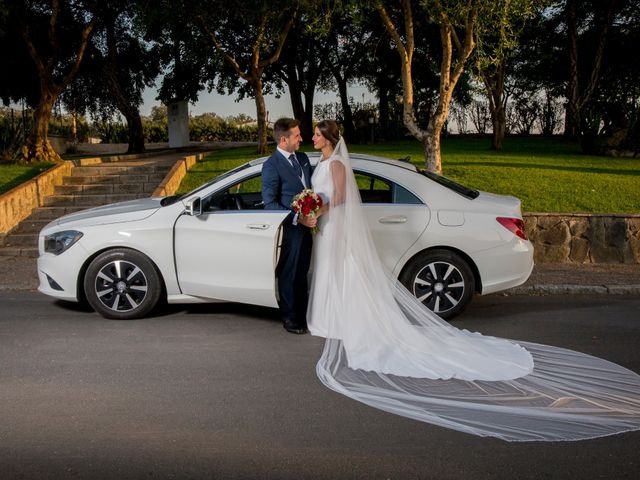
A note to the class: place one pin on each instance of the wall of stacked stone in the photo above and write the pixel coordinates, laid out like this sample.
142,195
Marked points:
18,203
171,182
584,238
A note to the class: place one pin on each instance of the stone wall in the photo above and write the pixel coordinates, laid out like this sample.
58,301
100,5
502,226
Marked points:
584,238
171,181
18,203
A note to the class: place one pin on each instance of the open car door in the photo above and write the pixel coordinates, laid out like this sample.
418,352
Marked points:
229,255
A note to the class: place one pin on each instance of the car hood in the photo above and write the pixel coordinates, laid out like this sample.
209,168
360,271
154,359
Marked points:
500,204
129,211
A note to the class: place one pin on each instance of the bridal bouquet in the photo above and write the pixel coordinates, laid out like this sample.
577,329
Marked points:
307,203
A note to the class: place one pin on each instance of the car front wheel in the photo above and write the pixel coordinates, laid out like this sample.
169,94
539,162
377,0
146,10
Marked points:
441,280
122,284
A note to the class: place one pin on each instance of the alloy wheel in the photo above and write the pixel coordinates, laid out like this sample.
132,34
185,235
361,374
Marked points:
121,286
439,286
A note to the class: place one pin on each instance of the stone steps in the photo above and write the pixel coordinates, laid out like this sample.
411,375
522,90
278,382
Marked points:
154,178
19,251
118,169
51,213
102,189
32,226
88,201
22,240
87,187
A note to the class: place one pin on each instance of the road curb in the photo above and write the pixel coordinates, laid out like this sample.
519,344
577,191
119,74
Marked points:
568,289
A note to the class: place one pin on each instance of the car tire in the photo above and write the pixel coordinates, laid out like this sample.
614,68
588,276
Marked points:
442,280
122,284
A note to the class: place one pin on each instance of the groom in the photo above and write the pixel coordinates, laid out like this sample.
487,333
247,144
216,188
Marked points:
284,175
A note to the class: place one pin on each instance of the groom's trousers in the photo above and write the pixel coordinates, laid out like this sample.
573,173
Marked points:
292,270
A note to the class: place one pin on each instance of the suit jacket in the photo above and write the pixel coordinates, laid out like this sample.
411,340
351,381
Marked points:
280,183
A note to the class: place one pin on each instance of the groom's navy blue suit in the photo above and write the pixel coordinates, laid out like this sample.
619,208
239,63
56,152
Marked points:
280,183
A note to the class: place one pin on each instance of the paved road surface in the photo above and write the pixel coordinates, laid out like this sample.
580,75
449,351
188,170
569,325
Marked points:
222,391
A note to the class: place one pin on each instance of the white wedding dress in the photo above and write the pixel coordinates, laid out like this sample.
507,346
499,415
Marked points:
385,349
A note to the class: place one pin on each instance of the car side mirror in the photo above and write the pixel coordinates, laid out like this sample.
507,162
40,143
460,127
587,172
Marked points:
194,207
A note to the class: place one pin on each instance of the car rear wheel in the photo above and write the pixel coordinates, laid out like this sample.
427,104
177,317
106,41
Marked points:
441,280
122,284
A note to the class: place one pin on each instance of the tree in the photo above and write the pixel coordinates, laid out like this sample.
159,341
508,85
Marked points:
127,65
452,18
56,37
347,43
250,38
502,26
183,49
117,68
596,20
301,66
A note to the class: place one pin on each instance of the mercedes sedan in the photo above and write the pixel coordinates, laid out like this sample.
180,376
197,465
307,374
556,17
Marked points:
443,241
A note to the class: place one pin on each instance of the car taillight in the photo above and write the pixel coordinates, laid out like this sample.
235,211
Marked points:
515,225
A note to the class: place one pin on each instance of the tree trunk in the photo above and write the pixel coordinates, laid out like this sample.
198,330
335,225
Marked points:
130,111
493,79
579,96
431,142
306,119
295,94
349,129
261,112
38,148
498,122
383,109
136,132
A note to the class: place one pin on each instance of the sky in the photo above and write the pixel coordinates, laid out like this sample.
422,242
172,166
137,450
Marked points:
226,106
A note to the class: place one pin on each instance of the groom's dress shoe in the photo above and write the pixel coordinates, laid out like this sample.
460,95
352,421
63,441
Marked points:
294,328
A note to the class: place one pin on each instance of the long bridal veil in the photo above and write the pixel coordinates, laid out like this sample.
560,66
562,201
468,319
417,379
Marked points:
385,349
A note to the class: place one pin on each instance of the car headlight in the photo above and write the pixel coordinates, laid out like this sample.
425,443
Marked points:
59,242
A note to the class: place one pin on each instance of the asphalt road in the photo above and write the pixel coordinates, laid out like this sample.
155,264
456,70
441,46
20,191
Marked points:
223,392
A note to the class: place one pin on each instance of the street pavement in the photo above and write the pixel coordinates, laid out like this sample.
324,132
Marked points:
222,391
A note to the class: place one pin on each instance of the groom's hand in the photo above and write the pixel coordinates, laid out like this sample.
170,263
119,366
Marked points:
308,221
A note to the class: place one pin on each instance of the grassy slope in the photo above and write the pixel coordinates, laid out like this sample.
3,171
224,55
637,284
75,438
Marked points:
546,174
13,175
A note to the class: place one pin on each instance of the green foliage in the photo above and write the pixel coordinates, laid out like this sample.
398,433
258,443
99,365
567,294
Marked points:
547,174
203,128
212,128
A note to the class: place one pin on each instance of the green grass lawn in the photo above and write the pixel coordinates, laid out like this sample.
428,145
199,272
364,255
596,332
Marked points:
548,175
13,175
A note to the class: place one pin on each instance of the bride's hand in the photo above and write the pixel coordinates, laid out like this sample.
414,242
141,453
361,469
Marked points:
307,221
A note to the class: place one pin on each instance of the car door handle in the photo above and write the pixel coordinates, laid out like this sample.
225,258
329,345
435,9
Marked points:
393,219
258,226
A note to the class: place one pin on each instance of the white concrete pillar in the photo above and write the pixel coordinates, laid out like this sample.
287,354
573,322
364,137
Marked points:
178,113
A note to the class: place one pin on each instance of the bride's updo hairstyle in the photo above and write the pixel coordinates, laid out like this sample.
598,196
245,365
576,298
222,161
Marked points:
329,130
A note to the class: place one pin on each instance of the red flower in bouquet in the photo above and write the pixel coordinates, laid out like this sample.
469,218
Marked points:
307,203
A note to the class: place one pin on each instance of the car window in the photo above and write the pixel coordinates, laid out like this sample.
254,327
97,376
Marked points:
217,179
451,185
375,189
244,195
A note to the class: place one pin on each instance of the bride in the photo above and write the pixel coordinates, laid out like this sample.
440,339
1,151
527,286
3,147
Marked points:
384,348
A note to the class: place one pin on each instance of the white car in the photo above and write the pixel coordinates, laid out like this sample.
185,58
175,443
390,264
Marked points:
217,243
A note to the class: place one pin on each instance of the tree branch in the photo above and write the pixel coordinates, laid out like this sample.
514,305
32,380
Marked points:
232,61
391,28
281,39
86,34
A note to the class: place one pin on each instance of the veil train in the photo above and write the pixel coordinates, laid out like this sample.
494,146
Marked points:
387,350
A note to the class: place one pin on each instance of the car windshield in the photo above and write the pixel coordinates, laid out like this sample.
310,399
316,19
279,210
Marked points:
451,185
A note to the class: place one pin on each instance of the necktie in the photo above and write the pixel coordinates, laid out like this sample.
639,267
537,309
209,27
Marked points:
296,165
